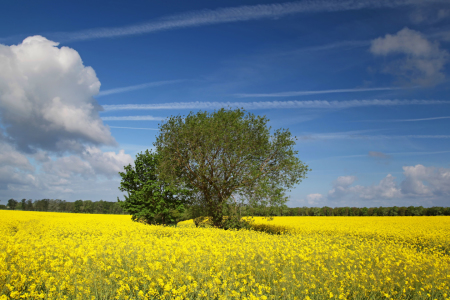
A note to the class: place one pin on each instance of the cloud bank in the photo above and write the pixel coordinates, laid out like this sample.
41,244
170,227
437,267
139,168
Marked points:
421,185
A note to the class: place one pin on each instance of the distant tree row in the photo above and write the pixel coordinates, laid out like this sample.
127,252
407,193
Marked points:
364,211
193,212
57,205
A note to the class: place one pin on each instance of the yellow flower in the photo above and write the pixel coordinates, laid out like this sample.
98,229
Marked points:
75,256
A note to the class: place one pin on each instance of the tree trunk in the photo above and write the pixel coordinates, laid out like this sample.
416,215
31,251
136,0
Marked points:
217,213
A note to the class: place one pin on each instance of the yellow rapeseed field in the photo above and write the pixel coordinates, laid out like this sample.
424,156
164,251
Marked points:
76,256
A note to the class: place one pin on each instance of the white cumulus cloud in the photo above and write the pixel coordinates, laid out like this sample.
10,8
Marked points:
107,163
91,163
385,189
421,62
10,157
46,97
50,128
421,184
426,181
314,199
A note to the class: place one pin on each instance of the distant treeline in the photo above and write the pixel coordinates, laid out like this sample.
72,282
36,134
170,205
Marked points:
106,207
364,211
57,205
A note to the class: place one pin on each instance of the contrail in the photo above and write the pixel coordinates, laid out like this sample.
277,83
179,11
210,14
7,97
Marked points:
343,136
235,14
406,120
133,128
305,93
137,87
273,104
133,118
392,153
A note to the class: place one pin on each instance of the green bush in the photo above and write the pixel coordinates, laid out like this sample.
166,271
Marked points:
270,228
227,223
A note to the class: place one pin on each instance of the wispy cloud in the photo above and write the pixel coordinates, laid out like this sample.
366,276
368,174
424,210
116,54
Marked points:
234,14
137,87
418,153
443,35
306,93
133,128
378,154
133,118
406,120
390,154
326,47
273,104
436,136
354,135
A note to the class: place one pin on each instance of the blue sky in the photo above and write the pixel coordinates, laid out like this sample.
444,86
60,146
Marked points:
364,85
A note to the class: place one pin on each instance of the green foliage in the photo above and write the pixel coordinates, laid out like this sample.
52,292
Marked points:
203,222
372,211
29,205
236,223
229,158
150,199
12,203
78,206
227,222
270,228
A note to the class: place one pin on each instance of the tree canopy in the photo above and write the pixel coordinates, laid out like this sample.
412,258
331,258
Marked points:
12,203
229,157
150,199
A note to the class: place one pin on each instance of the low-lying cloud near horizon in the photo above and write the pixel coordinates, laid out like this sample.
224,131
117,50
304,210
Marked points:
421,185
50,129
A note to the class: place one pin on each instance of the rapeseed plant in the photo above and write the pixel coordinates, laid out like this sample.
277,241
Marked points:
75,256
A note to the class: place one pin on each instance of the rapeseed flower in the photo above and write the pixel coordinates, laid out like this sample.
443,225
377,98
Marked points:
76,256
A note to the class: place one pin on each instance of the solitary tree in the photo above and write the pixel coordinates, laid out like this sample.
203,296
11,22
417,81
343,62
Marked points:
229,156
150,199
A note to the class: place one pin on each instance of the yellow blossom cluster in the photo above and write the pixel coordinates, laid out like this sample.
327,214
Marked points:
424,232
77,256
